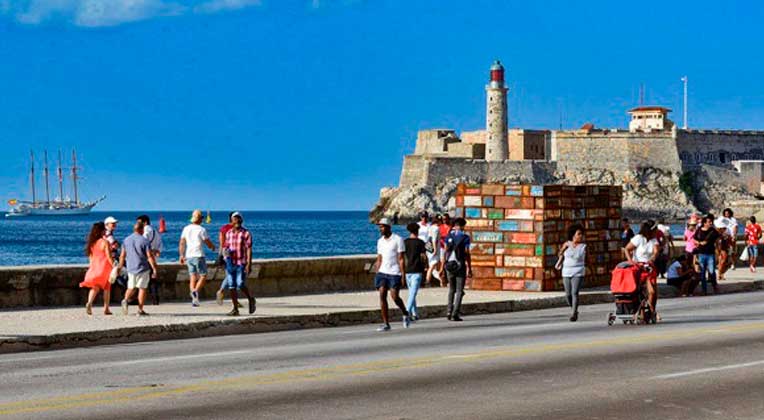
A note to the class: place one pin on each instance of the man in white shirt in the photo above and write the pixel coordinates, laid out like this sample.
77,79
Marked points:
731,223
191,251
390,271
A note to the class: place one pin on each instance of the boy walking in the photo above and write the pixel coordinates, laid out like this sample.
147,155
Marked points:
390,270
458,265
191,251
141,267
415,258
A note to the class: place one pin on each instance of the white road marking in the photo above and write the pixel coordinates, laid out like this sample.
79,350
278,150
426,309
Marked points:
707,370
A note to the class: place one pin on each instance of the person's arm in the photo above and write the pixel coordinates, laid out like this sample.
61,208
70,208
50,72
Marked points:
656,252
210,245
122,256
563,248
152,262
401,263
377,262
468,261
628,252
221,241
671,244
248,246
182,250
107,251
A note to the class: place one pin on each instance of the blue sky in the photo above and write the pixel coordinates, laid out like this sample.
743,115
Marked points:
310,105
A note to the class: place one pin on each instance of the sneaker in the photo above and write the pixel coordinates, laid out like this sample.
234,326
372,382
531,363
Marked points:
89,309
406,321
195,299
456,318
124,307
219,297
574,317
385,327
234,312
413,318
252,306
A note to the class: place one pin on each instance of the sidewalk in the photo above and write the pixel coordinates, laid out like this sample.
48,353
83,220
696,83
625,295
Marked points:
37,329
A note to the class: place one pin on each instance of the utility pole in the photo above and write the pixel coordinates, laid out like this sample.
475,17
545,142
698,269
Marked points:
684,125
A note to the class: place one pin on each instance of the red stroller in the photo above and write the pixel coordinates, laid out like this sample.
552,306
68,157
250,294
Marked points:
631,300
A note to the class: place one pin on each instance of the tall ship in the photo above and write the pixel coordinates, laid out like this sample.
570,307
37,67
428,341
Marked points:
58,206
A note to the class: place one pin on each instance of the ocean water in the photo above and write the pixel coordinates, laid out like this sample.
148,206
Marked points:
61,240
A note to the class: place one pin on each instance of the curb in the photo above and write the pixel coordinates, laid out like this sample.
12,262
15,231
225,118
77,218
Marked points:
251,325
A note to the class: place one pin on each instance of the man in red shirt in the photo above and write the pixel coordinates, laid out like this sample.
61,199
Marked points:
752,238
238,252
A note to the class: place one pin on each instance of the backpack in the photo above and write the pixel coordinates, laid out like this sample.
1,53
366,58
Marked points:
457,245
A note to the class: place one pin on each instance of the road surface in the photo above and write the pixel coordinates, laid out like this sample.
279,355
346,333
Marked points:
704,361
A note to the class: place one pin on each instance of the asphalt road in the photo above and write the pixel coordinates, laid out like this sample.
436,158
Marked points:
704,361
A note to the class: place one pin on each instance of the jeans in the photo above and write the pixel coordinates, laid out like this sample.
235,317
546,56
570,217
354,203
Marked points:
572,286
413,280
455,292
238,277
707,265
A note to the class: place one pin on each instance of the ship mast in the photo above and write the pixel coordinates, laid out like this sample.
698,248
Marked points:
74,177
47,183
31,178
60,178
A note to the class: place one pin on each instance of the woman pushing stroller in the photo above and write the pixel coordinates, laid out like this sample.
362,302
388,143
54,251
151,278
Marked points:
643,249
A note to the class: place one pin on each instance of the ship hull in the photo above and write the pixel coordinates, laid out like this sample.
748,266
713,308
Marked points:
30,211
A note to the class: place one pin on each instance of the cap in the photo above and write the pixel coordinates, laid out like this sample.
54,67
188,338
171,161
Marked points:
110,220
236,214
384,221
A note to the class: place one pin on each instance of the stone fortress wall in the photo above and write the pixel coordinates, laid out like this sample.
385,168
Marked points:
665,171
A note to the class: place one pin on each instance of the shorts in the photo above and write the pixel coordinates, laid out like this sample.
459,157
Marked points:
197,265
138,280
433,258
753,251
235,277
388,281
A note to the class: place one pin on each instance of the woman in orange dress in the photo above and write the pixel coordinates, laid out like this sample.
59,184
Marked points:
97,276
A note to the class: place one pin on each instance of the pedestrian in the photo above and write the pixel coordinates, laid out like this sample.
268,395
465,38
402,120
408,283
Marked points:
706,236
416,255
390,269
626,232
238,250
682,276
732,232
666,241
724,258
111,227
643,249
689,241
444,228
141,266
572,262
222,259
752,237
155,241
429,233
191,251
458,267
99,268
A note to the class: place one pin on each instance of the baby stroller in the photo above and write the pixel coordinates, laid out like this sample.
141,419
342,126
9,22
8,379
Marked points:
630,293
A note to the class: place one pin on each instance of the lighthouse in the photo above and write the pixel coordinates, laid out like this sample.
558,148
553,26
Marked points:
497,147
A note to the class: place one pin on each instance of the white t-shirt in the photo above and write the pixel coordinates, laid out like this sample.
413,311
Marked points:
195,236
667,235
424,231
389,249
433,233
644,248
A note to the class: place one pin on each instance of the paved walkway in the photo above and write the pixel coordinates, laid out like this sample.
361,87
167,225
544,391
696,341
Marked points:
66,327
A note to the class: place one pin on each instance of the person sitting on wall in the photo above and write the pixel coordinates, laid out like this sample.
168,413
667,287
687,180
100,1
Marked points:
682,275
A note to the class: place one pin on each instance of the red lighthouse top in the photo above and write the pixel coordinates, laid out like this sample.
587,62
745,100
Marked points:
497,72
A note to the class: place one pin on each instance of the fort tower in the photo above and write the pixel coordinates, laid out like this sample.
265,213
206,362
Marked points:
497,147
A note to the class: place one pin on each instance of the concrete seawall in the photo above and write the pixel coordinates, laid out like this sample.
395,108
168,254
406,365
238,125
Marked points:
28,286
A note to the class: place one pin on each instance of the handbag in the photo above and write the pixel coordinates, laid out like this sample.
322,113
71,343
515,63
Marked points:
744,255
114,274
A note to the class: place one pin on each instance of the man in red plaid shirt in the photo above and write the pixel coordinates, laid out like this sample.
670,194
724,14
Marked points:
238,256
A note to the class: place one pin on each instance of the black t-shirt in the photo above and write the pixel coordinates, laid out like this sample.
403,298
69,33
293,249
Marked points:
709,236
413,254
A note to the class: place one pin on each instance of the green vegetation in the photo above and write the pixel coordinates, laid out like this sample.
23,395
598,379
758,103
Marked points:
687,184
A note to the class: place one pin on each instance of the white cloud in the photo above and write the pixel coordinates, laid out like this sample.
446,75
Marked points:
94,13
214,6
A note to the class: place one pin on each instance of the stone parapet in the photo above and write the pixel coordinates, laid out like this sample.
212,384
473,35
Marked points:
59,285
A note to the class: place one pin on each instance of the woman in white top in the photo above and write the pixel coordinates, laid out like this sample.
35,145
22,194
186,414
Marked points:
572,261
643,249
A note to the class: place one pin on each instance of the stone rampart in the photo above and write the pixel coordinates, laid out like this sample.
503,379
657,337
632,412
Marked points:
718,147
59,285
618,152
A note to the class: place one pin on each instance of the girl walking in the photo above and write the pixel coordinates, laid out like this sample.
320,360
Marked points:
97,277
572,261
